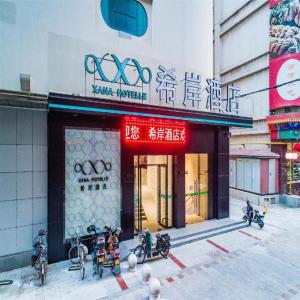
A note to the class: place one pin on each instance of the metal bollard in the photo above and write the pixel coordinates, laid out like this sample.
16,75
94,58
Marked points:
132,262
154,289
146,274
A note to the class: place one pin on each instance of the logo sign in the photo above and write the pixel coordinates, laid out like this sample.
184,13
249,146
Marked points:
91,173
143,74
155,131
127,79
291,155
110,73
89,167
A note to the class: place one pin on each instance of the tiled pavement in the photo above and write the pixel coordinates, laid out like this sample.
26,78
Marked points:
243,264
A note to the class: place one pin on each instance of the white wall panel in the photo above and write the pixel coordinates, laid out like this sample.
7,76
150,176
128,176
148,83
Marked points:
232,173
247,175
271,176
183,37
240,173
246,41
19,212
255,175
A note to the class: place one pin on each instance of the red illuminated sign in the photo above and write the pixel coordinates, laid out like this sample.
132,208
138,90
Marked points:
140,130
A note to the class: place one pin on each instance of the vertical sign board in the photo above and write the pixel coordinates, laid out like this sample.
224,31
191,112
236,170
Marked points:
284,53
92,180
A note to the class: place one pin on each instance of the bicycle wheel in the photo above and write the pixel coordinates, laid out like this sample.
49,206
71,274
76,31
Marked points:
82,262
43,273
74,255
260,223
165,250
82,270
140,253
100,270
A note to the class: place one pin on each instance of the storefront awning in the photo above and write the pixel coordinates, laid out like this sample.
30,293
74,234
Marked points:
249,153
284,126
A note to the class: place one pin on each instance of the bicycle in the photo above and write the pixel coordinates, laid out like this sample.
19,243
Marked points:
147,249
78,253
39,258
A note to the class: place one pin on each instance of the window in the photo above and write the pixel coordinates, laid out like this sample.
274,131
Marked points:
127,15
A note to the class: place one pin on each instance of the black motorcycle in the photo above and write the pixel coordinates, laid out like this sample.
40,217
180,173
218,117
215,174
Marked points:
253,215
147,249
39,257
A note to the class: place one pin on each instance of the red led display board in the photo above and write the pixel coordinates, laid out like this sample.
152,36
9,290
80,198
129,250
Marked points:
155,131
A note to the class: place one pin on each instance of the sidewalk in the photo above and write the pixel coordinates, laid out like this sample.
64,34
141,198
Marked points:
265,262
127,246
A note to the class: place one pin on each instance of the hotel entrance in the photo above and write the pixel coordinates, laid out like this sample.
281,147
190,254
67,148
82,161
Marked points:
196,188
153,192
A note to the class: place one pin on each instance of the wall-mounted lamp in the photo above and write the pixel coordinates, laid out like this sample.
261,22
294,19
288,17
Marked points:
228,135
25,82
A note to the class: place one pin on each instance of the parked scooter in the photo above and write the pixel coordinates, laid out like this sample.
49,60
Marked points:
147,249
253,215
112,258
39,257
105,249
98,249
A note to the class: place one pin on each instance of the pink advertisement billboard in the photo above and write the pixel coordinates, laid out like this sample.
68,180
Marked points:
284,53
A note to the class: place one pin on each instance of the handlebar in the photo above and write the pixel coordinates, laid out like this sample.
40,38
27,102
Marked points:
106,229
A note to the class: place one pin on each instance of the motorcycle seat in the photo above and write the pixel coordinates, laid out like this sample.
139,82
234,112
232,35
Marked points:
43,232
165,234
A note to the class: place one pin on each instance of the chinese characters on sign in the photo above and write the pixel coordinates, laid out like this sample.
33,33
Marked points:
154,131
291,74
214,95
167,83
233,94
126,79
192,91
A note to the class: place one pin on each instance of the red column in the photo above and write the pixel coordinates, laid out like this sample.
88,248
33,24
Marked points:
264,176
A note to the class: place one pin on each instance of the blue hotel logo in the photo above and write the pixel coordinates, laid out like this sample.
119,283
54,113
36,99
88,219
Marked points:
121,66
93,66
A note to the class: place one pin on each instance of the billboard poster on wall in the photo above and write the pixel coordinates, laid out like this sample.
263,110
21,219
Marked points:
284,53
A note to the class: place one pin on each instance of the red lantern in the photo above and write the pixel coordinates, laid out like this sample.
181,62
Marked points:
297,147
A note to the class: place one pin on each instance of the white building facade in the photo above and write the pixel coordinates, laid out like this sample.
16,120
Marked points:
57,54
242,55
47,41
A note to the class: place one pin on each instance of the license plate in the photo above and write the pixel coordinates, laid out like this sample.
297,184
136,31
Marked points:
101,259
117,261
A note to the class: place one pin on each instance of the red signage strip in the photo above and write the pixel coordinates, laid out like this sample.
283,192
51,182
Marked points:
155,131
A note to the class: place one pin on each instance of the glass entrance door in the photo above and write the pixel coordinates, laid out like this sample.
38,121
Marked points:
153,200
196,184
136,199
162,195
